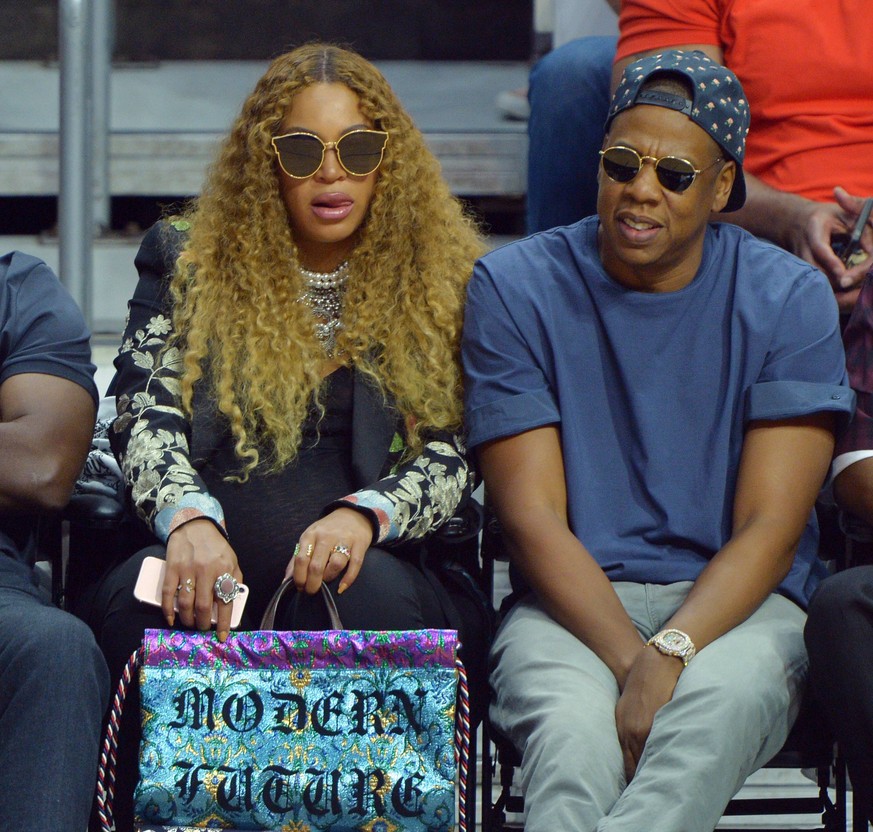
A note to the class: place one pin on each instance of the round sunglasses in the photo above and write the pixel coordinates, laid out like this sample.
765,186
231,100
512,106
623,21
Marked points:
621,164
358,151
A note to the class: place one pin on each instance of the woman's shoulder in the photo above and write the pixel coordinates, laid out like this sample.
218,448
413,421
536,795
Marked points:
161,246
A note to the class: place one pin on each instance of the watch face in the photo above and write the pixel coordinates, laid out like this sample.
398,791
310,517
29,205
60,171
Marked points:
674,640
674,643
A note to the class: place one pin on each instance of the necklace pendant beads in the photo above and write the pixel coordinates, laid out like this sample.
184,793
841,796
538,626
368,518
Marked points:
324,296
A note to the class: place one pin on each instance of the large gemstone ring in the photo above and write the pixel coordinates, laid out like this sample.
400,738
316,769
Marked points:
226,587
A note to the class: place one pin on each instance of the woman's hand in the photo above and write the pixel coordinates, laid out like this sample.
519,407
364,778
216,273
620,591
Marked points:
197,553
335,543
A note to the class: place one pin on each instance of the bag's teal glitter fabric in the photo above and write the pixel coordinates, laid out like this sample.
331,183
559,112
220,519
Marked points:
299,731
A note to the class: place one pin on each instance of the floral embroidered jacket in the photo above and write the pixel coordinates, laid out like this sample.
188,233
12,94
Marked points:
160,449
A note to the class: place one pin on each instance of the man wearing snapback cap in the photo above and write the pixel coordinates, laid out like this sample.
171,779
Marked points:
652,400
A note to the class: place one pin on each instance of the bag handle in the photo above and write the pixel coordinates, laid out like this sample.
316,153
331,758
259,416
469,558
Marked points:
462,743
269,618
109,751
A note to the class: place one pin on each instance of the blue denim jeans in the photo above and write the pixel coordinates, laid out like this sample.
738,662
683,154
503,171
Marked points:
54,687
730,713
569,100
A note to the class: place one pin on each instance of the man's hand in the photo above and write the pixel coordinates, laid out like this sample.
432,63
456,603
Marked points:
649,687
806,228
816,226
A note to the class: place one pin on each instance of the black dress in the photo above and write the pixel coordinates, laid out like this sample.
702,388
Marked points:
266,515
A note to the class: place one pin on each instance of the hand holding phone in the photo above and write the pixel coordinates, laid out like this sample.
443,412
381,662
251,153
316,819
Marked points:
852,245
150,583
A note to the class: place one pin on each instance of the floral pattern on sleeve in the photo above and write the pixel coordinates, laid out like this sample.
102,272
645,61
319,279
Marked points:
150,436
419,496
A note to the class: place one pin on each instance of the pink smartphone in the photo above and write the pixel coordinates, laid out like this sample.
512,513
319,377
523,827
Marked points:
151,580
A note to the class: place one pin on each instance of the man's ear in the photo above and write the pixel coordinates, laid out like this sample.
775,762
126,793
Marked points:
724,183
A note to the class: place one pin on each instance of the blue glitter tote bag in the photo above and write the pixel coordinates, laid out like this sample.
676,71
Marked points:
302,731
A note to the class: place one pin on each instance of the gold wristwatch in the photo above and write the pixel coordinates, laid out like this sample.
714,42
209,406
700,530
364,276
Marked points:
674,643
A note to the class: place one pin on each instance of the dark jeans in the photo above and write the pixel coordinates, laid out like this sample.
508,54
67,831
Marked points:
569,100
839,638
53,691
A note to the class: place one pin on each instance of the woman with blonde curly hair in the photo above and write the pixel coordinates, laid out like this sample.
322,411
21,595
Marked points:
288,386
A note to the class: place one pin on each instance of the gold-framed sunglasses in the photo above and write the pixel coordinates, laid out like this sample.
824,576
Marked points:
359,152
621,164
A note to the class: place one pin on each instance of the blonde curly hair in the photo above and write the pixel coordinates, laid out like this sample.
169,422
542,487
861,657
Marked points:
237,319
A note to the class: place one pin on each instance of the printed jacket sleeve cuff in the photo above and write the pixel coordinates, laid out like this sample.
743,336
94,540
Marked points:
190,507
376,508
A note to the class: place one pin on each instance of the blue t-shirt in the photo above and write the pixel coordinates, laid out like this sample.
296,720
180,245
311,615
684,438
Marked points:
651,392
41,331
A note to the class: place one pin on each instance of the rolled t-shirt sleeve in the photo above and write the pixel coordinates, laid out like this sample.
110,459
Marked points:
805,371
506,388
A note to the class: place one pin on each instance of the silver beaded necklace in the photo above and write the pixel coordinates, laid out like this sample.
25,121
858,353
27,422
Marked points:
324,296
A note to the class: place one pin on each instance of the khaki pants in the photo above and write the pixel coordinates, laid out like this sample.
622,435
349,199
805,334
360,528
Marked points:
731,712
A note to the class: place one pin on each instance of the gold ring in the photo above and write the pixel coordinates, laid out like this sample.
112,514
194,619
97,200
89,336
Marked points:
189,584
341,549
308,552
296,550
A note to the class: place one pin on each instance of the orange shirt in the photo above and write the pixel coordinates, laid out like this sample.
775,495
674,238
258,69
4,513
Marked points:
807,69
